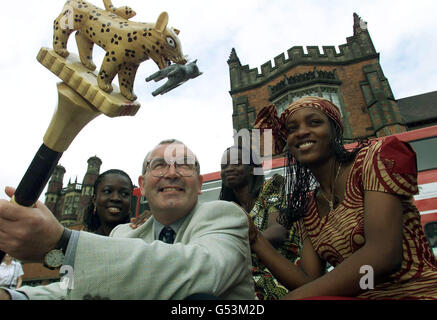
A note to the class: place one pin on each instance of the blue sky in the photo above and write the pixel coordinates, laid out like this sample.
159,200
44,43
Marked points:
200,111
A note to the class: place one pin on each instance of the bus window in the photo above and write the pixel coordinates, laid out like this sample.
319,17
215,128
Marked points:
210,191
431,235
426,150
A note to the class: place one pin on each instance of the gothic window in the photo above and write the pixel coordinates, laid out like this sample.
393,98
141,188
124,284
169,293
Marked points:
68,205
242,119
330,93
252,117
282,103
244,115
241,108
89,191
240,116
66,210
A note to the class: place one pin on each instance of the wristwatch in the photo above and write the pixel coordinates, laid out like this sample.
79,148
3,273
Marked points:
55,258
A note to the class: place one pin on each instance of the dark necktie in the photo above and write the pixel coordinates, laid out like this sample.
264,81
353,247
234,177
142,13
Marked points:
167,235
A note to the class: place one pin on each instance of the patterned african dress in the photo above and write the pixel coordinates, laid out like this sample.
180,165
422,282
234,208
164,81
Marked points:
271,200
385,166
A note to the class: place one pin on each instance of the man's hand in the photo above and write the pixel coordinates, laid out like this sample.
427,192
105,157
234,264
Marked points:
27,233
4,295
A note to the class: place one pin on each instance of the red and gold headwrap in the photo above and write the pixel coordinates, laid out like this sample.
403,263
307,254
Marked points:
268,118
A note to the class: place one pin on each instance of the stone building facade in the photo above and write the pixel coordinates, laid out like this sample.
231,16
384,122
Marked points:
352,78
69,203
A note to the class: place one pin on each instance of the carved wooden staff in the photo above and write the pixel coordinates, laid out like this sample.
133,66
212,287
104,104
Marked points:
83,96
80,100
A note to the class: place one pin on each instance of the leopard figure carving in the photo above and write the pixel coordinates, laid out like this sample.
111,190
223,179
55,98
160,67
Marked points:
126,43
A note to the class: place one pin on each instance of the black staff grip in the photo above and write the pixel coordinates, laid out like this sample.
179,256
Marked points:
36,176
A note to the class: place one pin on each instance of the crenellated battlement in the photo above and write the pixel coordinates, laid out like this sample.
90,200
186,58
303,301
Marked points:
349,75
357,47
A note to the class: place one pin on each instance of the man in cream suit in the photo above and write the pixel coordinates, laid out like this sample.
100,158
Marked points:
207,251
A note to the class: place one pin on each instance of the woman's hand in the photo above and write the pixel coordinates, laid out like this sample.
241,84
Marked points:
142,218
253,230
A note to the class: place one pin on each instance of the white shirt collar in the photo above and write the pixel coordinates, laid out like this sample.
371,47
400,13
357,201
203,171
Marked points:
175,226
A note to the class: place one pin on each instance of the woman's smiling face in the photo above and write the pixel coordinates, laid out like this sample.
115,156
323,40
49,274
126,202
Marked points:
113,198
233,172
309,136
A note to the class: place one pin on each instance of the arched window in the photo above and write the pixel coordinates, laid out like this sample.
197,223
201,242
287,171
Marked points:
330,93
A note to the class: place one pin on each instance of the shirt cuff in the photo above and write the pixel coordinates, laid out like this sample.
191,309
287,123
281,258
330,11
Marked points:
16,295
70,254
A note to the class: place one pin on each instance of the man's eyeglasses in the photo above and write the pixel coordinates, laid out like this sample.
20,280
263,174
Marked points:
185,167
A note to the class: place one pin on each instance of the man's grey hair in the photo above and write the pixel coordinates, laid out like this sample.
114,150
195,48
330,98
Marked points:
167,141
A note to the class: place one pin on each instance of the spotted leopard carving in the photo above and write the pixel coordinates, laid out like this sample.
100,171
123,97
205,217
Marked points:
126,43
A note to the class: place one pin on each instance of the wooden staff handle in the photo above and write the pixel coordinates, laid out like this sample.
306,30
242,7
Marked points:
72,114
80,100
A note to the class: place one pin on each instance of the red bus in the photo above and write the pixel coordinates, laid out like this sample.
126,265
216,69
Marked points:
424,143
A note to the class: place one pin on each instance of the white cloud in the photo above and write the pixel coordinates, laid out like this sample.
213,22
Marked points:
199,112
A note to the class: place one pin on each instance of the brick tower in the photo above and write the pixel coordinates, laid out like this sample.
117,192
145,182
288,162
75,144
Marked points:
90,177
352,79
54,189
71,195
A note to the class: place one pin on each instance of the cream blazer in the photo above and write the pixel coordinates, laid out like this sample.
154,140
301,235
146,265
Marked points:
211,254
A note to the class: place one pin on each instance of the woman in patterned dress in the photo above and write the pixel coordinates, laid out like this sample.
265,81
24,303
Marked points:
244,184
354,210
